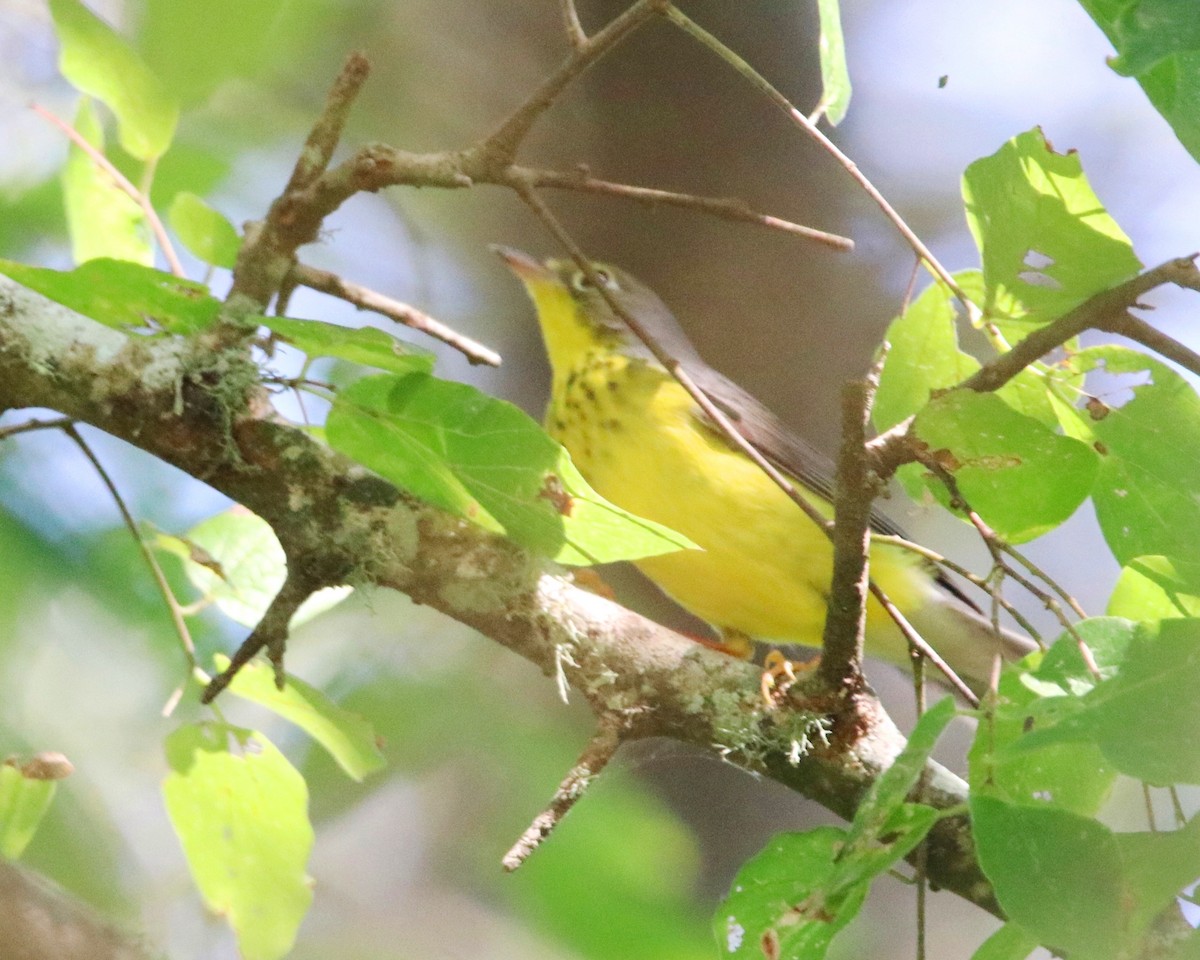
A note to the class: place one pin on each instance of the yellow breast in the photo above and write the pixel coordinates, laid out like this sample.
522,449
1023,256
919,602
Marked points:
764,567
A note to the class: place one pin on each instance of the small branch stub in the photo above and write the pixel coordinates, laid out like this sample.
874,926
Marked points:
271,634
591,762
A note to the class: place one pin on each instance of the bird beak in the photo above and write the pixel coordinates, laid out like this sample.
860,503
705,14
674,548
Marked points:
522,264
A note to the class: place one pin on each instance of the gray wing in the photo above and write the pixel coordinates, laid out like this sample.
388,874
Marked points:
790,452
772,438
769,435
765,431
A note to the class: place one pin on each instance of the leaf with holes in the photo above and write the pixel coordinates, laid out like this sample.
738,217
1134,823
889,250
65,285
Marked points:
1046,241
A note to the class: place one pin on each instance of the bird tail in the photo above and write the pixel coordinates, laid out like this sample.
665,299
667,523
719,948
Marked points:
966,640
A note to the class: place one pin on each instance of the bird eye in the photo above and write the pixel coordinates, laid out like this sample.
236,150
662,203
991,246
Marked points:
580,281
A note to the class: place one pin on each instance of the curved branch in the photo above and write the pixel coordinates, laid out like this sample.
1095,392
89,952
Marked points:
342,523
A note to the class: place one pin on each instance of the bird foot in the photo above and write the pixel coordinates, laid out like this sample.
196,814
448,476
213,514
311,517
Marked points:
779,674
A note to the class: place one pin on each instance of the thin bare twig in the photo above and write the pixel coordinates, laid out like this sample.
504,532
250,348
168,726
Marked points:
1138,330
576,36
315,190
918,643
1038,572
1148,802
998,548
841,658
693,29
1106,311
594,758
294,218
503,142
367,299
970,576
142,199
1176,806
921,860
156,571
726,208
28,426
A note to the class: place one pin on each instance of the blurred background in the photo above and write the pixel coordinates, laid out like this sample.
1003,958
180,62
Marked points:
407,864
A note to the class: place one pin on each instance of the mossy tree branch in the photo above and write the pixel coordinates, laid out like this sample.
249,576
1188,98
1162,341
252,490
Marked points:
341,523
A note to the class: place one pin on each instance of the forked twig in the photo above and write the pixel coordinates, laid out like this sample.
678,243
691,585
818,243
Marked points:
270,634
575,33
999,548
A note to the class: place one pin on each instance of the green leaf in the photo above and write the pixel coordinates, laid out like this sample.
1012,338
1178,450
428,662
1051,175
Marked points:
1045,239
779,905
368,346
835,77
190,166
1147,491
204,231
888,793
180,39
923,357
1036,390
348,736
1021,477
1056,874
1010,942
1150,31
1145,718
485,460
102,219
1150,588
24,801
1075,885
1072,774
789,900
243,567
1158,866
120,294
1107,638
1186,949
99,62
31,210
240,812
1158,42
